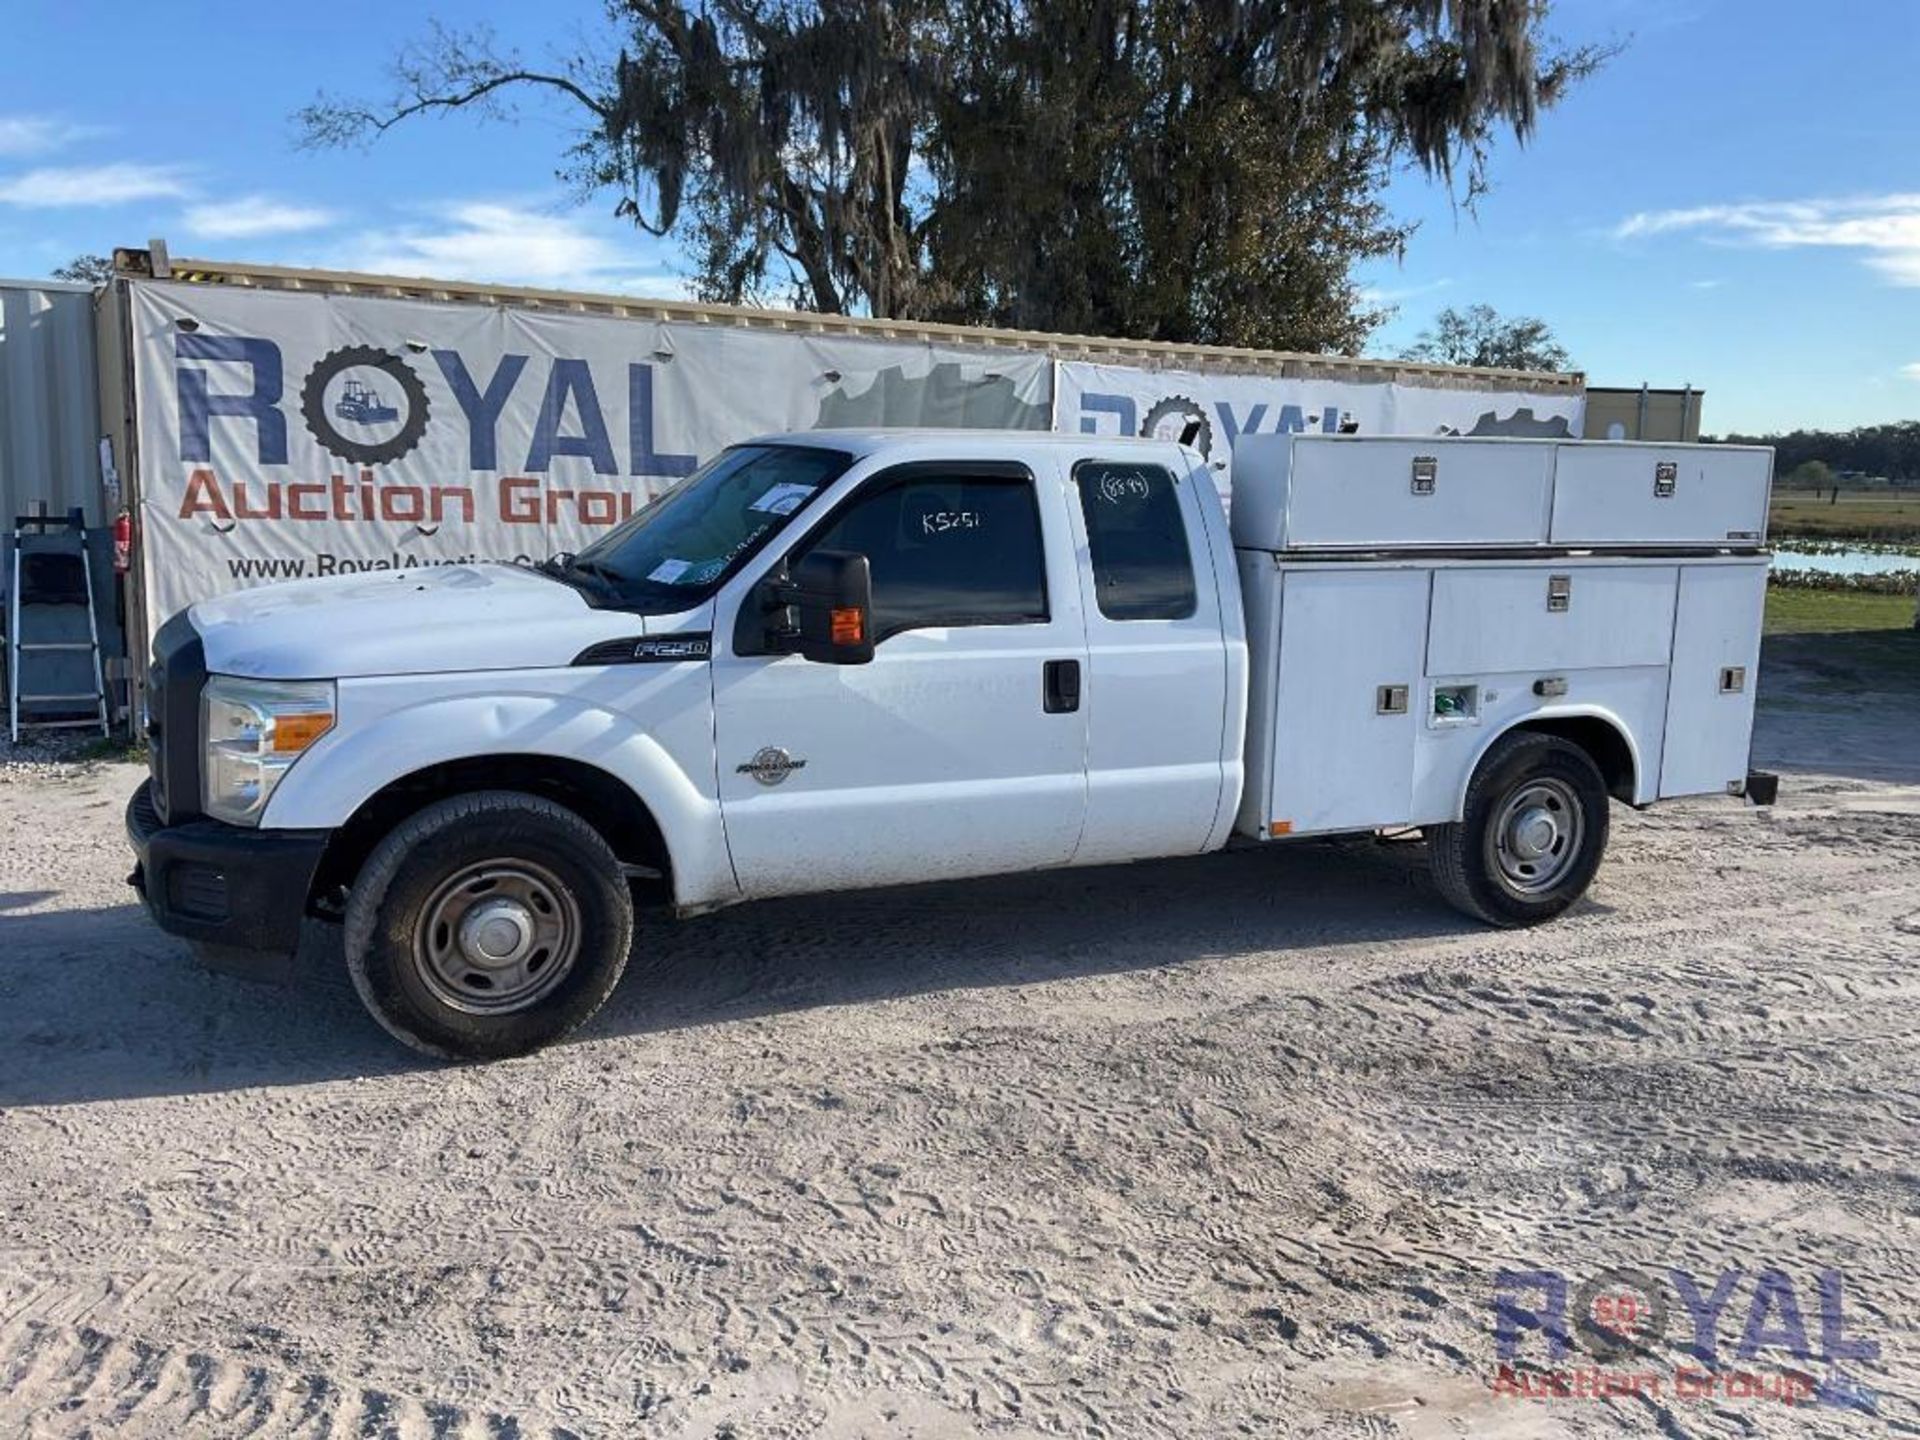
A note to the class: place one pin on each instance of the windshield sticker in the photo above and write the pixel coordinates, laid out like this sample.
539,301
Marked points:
669,572
782,499
706,570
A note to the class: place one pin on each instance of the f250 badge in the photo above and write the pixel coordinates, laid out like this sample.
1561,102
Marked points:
771,765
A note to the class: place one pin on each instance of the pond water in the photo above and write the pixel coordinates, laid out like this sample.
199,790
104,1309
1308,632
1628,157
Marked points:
1881,560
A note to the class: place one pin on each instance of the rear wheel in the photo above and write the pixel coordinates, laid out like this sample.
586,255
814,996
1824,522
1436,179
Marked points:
488,925
1531,833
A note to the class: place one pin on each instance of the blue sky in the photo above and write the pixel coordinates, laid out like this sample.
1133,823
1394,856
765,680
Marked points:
1733,202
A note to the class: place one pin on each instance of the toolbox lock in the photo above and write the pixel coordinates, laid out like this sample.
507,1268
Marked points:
1426,471
1666,473
1559,592
1390,700
1550,687
1733,679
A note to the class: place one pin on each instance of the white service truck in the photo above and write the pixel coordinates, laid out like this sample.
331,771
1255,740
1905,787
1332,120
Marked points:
833,660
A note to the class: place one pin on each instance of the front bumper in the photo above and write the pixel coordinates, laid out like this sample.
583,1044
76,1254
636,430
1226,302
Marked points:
221,884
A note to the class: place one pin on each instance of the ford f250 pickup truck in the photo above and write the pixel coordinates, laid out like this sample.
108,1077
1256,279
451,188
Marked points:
832,660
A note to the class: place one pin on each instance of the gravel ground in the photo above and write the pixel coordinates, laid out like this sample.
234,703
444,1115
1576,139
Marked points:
1238,1145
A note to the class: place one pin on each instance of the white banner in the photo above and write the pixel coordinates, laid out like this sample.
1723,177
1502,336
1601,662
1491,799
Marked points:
290,434
1091,399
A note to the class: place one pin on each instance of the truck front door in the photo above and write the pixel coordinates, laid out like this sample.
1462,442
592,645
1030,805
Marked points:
961,748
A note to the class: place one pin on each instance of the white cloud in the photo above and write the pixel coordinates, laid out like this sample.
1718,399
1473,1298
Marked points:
1394,294
36,134
508,245
113,184
1883,229
1705,284
254,215
1912,371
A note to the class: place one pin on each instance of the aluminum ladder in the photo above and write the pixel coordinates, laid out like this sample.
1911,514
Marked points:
45,562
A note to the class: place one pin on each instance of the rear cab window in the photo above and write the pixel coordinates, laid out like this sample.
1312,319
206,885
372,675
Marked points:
1136,540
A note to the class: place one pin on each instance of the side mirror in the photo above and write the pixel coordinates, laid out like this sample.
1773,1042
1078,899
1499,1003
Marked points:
831,592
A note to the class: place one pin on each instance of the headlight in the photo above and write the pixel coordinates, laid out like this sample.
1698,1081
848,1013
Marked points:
251,731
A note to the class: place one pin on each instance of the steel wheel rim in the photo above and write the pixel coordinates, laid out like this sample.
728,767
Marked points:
496,937
1536,838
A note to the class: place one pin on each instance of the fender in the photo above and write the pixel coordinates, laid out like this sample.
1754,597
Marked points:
1576,711
392,726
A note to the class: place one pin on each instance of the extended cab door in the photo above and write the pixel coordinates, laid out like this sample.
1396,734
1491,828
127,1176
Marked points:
1157,684
961,748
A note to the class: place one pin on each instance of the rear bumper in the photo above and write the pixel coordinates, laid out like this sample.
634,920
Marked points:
221,884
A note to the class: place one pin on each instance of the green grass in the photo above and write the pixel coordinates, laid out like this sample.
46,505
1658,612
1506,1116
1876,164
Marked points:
1867,516
1805,612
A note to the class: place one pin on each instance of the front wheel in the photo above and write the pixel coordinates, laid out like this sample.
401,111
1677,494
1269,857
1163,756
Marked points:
488,925
1531,833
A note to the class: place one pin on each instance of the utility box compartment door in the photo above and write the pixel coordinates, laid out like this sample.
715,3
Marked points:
1334,492
1710,689
1612,494
1346,705
1550,616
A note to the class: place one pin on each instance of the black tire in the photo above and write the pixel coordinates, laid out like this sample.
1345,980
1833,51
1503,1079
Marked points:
449,854
1538,773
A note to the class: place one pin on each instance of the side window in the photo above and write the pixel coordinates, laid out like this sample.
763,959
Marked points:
961,550
1142,568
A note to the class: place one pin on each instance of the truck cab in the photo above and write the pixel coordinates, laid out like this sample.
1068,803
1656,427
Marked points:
844,659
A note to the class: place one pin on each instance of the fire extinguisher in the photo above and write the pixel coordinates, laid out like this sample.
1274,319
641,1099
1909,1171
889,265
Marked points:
122,542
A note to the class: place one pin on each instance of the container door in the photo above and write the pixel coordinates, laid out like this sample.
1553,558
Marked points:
1710,692
1388,494
1567,615
1611,494
1345,712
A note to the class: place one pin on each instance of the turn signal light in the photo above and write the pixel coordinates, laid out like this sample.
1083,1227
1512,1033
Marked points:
293,733
848,628
1280,827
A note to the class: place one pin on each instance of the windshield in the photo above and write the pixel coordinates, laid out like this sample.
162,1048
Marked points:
679,549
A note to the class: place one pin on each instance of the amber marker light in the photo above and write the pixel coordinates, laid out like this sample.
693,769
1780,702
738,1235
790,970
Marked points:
848,628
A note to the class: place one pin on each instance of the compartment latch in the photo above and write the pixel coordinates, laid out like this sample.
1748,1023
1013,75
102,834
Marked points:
1390,700
1666,474
1426,472
1559,592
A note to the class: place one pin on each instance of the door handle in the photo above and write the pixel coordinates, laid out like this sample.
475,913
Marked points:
1062,687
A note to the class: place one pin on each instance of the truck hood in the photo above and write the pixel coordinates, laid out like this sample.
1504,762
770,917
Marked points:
431,619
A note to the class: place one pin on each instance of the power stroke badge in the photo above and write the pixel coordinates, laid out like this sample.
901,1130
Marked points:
771,765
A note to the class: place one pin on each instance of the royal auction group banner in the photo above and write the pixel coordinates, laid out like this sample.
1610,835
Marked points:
289,434
1097,399
286,435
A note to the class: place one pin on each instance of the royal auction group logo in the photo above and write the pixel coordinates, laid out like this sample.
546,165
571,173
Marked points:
514,418
1612,1334
364,405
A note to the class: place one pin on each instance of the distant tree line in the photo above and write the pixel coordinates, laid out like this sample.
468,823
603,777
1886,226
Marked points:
1480,335
1891,451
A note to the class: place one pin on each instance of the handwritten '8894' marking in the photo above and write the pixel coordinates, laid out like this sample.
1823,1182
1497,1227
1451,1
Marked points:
1119,486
